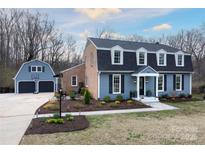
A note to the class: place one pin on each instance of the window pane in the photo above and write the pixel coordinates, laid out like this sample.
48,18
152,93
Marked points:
178,82
117,56
141,58
39,68
179,59
33,69
160,83
161,59
74,80
116,82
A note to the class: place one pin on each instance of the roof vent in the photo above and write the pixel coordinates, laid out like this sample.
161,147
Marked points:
157,43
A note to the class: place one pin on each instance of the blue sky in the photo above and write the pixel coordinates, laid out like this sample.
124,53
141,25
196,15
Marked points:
146,22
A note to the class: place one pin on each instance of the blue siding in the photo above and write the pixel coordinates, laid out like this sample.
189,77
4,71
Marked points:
25,75
130,85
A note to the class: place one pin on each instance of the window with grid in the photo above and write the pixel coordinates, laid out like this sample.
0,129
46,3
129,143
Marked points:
141,58
180,60
161,82
161,58
74,80
117,56
116,83
178,82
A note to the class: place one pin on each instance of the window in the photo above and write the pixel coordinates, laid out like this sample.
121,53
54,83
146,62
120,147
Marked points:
178,82
162,59
74,80
33,68
116,82
117,55
179,58
142,56
161,82
36,68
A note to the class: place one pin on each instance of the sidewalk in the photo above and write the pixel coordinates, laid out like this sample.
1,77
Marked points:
155,106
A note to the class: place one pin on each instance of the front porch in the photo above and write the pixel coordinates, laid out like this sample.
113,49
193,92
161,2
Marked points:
146,85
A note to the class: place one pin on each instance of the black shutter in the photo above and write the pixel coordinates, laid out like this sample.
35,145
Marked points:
165,82
122,83
182,81
174,82
29,68
43,68
155,86
110,83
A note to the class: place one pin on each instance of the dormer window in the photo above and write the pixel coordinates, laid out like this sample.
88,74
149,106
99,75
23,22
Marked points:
117,55
161,58
179,58
141,57
36,69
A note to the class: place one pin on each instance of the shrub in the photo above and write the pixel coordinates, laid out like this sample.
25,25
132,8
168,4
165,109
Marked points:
78,106
87,97
130,101
202,89
51,105
82,91
72,95
55,121
113,104
119,98
117,102
103,102
164,96
182,95
189,96
69,117
106,99
56,115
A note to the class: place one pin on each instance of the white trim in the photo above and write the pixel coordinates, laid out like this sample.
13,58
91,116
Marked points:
175,72
72,68
150,68
179,75
176,58
145,74
120,49
36,66
157,92
119,84
30,62
71,81
36,84
162,83
121,71
162,51
99,84
190,84
141,50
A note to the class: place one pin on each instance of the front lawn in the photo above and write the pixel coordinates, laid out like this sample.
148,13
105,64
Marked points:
183,126
79,106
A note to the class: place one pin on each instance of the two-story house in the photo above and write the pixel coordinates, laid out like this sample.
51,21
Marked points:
145,70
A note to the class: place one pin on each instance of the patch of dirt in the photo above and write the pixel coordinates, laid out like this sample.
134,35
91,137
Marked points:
79,106
40,126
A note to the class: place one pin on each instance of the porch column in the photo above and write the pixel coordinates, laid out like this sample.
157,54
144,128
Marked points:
156,86
138,92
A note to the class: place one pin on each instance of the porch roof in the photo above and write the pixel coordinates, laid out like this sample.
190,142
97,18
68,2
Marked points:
145,71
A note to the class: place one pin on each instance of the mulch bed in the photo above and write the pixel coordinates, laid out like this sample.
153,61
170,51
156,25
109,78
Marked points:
40,126
79,106
178,99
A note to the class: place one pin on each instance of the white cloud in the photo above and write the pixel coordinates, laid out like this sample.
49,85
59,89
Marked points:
162,27
159,27
85,34
98,13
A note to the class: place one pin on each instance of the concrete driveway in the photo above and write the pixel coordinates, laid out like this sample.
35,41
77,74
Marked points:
16,112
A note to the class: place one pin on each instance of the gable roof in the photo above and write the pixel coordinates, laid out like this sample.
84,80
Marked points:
130,45
30,62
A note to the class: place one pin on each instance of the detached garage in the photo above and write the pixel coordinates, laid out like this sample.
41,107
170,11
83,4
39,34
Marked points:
35,76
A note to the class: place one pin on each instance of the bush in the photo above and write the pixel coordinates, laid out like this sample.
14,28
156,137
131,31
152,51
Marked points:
72,95
55,121
78,106
182,95
117,102
113,104
82,91
202,89
164,96
106,99
130,101
87,97
189,96
103,102
69,117
51,105
119,98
